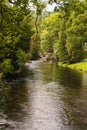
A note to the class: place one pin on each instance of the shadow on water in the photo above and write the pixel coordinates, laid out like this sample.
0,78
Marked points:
14,96
63,76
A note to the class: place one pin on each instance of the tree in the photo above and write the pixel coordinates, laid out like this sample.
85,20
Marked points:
68,46
49,33
15,35
61,52
76,37
34,49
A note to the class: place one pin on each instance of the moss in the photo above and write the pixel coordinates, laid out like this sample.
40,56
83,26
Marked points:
82,66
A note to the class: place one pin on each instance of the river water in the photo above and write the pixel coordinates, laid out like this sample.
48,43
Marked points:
44,97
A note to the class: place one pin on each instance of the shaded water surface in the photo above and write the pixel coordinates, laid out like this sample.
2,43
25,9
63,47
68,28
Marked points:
45,97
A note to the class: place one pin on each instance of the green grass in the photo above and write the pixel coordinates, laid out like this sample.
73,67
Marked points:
82,66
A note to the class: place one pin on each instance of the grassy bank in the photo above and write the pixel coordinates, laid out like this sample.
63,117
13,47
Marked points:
82,66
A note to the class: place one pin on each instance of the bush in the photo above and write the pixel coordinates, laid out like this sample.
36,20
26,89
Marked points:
6,66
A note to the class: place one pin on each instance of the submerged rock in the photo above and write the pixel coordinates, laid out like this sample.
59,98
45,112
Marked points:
47,57
3,123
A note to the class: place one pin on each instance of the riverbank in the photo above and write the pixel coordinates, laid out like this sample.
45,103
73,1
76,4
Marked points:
81,66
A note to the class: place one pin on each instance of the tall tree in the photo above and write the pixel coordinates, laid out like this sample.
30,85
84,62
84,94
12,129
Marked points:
34,51
49,33
15,35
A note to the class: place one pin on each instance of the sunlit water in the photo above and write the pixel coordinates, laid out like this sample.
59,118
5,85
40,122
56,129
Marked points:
44,97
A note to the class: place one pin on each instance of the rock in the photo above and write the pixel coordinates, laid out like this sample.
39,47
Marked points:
3,122
49,56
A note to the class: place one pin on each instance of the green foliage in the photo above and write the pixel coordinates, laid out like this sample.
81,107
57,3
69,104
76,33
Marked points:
76,37
81,66
64,33
21,58
49,33
7,66
62,51
34,49
16,30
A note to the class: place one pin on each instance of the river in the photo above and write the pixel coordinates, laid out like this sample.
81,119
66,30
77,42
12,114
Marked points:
44,97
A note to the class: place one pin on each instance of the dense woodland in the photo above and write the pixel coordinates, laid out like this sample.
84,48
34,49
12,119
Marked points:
28,31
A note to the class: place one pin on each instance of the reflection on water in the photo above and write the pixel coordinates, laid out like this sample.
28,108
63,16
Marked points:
45,97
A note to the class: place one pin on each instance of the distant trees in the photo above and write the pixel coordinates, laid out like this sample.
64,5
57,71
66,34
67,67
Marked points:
49,33
76,37
34,49
64,33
